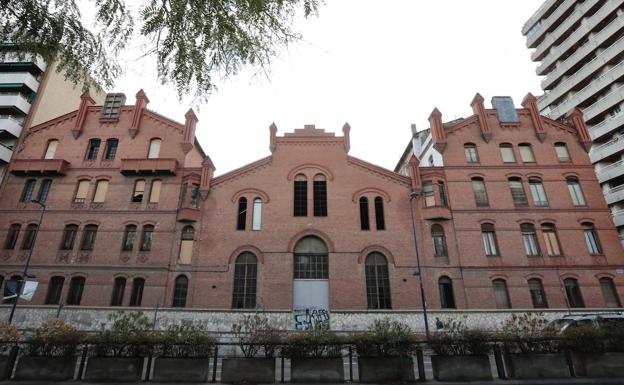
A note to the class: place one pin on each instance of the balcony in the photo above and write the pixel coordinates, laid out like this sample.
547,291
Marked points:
550,20
5,154
188,214
614,97
14,102
23,167
436,213
615,195
573,38
607,126
9,127
23,81
611,171
538,15
618,218
609,148
12,60
148,166
585,93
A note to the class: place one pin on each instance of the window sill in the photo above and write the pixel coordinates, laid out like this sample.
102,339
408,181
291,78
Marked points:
597,255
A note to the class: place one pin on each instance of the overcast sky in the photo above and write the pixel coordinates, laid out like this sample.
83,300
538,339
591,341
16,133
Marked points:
379,65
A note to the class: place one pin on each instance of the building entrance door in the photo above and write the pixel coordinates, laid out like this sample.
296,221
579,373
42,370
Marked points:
311,284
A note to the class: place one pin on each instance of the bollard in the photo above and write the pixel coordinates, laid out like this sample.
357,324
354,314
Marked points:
420,359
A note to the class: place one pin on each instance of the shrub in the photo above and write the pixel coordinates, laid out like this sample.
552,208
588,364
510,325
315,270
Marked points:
528,333
130,335
256,335
314,343
9,337
458,340
186,340
54,338
588,339
385,338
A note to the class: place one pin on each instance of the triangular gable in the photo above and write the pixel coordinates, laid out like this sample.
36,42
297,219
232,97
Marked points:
398,178
241,171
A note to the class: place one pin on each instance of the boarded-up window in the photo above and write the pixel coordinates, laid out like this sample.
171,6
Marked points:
82,191
139,191
186,246
100,191
155,191
112,107
154,148
51,149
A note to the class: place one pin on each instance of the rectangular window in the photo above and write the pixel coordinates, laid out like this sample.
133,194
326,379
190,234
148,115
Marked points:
428,194
442,192
186,251
111,149
538,193
154,149
538,296
529,239
489,243
82,191
139,191
69,237
29,237
44,190
93,149
478,188
526,153
576,193
88,238
256,223
471,154
11,239
517,193
562,152
136,296
100,191
76,287
194,201
591,240
552,243
311,266
55,288
320,198
507,154
112,106
29,188
501,295
301,198
51,150
439,246
155,191
147,238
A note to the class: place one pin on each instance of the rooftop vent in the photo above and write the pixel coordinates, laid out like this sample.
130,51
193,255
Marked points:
112,107
506,110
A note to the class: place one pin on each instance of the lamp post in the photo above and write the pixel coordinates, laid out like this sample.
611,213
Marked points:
418,272
27,263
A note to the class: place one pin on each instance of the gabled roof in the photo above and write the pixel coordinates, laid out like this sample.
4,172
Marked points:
241,171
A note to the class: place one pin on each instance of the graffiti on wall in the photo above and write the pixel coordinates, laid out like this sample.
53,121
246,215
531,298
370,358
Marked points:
311,318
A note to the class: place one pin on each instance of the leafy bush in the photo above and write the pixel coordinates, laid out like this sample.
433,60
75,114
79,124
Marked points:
588,339
186,340
54,338
528,333
9,337
130,335
256,335
314,343
385,338
458,340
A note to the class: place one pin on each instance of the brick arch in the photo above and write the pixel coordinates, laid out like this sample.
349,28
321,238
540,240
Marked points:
547,220
571,174
586,219
84,177
525,220
148,222
476,175
534,174
487,220
563,276
370,190
499,276
375,248
514,175
92,222
304,233
119,275
71,222
533,276
254,191
299,170
130,222
605,274
246,248
103,177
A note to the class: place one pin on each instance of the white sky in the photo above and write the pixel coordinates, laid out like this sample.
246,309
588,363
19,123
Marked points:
379,65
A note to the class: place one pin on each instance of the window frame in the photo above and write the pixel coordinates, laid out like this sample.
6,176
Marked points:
180,291
30,236
76,290
51,147
438,239
507,147
138,194
364,214
537,293
117,295
562,159
68,239
479,202
536,187
256,215
428,194
136,294
488,235
300,196
378,291
147,237
110,150
574,295
592,242
528,150
551,239
245,288
608,289
576,192
446,292
501,284
530,240
471,154
154,147
93,149
55,290
28,190
89,235
516,186
241,217
12,236
380,221
129,236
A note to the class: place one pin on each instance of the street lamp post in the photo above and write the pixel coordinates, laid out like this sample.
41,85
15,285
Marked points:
27,263
418,272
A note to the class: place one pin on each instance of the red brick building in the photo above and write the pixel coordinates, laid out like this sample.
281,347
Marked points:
508,214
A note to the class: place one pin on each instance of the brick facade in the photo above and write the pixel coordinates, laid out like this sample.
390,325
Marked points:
191,196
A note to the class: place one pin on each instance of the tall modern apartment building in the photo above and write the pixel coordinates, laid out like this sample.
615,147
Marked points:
579,46
31,92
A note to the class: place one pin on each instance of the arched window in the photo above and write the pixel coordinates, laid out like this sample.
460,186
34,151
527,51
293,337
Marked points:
364,219
51,149
470,150
44,190
501,295
573,293
147,237
379,214
12,235
320,195
111,149
100,191
526,153
447,297
256,219
194,198
55,288
609,293
576,193
29,237
118,291
245,276
529,239
137,292
538,296
517,192
490,244
180,289
480,194
241,218
311,259
377,282
92,149
139,191
88,237
29,189
537,192
186,245
69,237
507,153
439,241
561,149
81,191
591,239
301,196
428,194
76,288
154,148
129,236
550,238
155,191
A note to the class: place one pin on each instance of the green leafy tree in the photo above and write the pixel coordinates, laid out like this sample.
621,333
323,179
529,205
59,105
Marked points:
191,40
